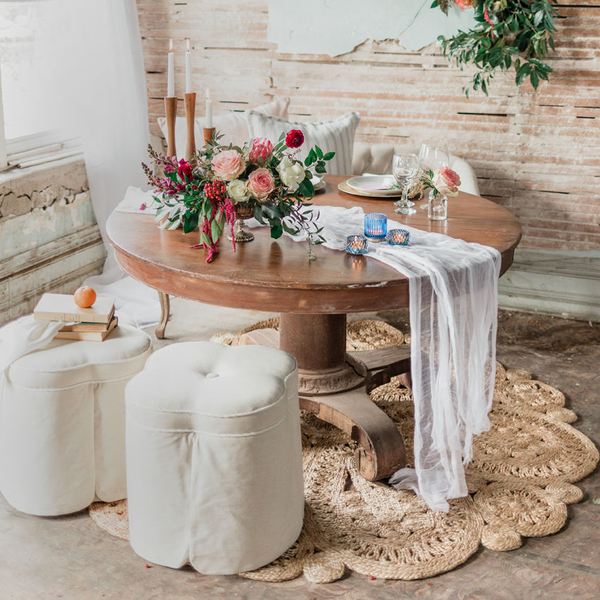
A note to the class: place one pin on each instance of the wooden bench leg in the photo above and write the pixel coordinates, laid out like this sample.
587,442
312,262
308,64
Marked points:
165,309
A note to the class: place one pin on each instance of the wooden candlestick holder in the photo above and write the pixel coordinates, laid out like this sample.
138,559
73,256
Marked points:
208,134
190,115
171,112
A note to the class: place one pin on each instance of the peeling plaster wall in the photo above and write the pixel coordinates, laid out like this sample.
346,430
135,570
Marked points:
537,154
49,239
335,27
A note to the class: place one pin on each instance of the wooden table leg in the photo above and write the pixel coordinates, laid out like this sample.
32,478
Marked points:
334,385
381,451
165,309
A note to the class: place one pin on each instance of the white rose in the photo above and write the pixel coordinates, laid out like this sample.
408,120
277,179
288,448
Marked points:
238,191
291,173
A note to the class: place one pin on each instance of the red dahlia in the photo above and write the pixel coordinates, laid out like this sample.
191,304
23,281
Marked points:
294,138
185,170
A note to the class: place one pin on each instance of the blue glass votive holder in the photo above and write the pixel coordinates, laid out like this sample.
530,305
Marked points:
357,244
375,227
398,237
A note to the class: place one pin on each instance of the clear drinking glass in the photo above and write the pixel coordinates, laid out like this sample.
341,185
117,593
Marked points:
432,158
405,168
438,207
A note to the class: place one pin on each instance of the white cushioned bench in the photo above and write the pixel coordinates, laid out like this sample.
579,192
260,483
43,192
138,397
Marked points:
62,422
214,461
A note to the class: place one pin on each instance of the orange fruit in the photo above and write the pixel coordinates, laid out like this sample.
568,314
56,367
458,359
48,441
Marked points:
85,296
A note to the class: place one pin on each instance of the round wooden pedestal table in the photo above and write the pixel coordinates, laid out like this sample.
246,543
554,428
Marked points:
313,298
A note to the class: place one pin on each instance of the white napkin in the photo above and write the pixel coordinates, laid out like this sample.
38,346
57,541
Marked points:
134,199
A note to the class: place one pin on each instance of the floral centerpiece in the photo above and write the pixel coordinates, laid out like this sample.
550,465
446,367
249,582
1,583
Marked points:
221,185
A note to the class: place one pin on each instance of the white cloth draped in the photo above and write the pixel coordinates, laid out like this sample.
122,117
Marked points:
453,287
94,50
24,335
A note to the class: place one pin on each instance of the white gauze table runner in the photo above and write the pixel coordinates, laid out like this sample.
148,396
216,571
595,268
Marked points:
453,288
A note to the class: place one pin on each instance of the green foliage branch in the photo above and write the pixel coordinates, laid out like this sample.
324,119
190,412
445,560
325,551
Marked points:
512,35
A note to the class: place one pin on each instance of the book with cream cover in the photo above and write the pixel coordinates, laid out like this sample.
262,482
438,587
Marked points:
62,307
87,336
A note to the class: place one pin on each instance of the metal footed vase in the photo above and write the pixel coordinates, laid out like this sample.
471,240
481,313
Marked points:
239,234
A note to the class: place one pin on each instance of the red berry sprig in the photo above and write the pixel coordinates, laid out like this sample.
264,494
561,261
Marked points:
215,191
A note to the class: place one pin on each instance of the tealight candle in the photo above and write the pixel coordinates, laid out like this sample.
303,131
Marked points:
357,244
375,227
398,237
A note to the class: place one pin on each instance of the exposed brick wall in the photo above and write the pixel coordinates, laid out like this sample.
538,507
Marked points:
538,154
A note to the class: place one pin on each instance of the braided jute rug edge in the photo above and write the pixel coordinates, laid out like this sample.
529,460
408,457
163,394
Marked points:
520,481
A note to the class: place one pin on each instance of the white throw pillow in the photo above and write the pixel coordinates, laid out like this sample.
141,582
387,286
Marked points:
232,125
331,136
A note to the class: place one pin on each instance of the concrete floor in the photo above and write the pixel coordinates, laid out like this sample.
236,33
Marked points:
70,557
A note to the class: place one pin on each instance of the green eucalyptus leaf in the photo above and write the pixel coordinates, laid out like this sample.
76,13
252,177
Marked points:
306,188
276,229
215,230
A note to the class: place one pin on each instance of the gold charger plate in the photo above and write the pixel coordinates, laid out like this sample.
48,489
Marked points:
344,187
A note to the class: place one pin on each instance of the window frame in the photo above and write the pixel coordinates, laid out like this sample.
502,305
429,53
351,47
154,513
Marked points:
11,149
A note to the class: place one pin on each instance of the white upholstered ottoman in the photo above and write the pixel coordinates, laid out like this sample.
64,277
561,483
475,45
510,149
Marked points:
62,422
214,461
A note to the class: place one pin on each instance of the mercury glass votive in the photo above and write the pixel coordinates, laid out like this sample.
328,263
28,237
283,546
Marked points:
375,227
357,244
398,237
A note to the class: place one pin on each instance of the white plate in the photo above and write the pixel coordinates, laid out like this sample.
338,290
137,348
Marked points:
378,185
318,182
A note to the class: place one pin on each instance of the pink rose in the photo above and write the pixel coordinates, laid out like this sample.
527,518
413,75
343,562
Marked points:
447,181
228,164
465,4
261,183
261,150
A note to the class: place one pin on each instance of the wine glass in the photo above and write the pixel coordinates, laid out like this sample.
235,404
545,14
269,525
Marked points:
432,158
405,168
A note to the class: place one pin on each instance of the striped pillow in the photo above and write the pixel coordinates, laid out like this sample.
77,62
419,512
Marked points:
331,136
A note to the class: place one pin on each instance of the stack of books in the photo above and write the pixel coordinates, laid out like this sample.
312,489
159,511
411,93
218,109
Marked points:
87,324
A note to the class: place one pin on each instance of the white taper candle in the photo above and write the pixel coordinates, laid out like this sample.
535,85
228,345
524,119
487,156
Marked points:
188,68
171,71
208,120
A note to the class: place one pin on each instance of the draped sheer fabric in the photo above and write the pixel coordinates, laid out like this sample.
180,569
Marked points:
453,288
94,50
23,336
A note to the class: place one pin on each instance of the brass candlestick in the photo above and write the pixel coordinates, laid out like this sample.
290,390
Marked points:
190,115
171,112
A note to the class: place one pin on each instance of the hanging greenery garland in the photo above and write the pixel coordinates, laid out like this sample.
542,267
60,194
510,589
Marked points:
511,34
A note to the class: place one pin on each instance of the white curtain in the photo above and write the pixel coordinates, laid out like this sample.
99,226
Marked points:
98,80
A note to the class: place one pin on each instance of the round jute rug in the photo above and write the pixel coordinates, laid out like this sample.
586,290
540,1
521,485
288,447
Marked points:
520,481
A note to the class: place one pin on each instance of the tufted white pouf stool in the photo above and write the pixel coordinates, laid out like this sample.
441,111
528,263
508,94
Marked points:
214,457
62,422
